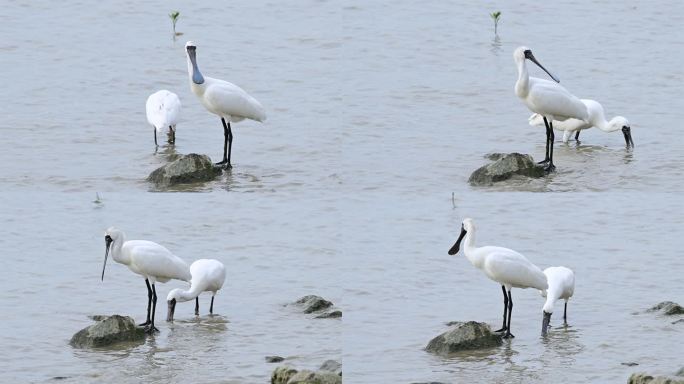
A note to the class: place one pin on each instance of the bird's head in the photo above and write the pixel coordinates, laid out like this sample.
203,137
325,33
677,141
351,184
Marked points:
111,235
190,45
622,123
466,226
195,75
524,53
171,300
546,319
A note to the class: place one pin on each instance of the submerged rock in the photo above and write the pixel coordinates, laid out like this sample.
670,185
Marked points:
108,330
667,308
186,169
644,378
274,359
332,366
330,315
315,377
463,336
313,303
282,374
504,167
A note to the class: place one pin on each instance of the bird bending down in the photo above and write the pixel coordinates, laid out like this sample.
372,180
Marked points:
149,260
561,286
596,118
207,276
224,99
163,109
505,266
547,98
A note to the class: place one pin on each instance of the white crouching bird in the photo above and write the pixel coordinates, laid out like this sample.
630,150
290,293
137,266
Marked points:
149,260
547,98
597,118
226,100
561,286
505,266
163,110
208,275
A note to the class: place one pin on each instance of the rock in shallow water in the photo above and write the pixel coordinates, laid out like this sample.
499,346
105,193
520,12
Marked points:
274,359
644,378
313,303
463,336
315,377
332,366
190,168
667,308
107,331
504,167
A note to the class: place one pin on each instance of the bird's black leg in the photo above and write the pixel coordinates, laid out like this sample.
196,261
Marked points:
503,327
197,306
510,312
211,307
151,328
155,137
546,154
552,137
577,135
565,313
149,301
227,143
172,135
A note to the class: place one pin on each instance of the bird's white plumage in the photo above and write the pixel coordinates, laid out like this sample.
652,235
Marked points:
208,275
163,110
561,286
505,266
148,259
545,97
595,118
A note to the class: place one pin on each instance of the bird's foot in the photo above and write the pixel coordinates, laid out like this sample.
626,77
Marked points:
502,329
545,161
550,168
508,335
150,329
145,324
224,164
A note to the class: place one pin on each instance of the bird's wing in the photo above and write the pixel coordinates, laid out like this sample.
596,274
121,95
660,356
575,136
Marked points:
163,108
172,106
506,265
155,260
553,99
231,100
568,125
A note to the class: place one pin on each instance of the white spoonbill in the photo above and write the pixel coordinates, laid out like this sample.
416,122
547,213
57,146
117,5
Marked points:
163,109
561,286
150,260
208,275
505,266
597,118
226,100
547,98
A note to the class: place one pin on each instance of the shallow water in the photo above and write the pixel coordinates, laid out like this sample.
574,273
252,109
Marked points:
378,112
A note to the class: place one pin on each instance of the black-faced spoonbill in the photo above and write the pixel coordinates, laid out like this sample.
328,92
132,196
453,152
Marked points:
547,98
163,109
207,276
224,99
597,118
150,260
505,266
561,286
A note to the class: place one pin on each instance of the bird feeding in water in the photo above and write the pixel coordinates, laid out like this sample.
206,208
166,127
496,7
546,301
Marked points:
505,266
561,282
547,98
207,276
226,100
597,118
149,260
163,109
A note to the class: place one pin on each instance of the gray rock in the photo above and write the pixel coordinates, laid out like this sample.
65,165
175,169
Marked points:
680,372
315,377
282,374
274,359
630,364
504,168
110,330
190,168
678,321
330,315
667,308
313,303
494,156
332,366
644,378
464,336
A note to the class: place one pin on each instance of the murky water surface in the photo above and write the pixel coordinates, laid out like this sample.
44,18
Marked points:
378,112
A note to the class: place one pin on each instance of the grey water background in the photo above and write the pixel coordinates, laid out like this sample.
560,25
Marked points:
378,112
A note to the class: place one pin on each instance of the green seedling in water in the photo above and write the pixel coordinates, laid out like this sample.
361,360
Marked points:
174,18
495,16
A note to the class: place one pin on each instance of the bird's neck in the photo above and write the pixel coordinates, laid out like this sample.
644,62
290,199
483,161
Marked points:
522,86
608,126
187,295
117,255
470,250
